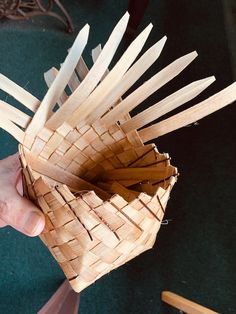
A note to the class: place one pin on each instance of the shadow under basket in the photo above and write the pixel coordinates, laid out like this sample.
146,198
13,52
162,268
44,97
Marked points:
85,162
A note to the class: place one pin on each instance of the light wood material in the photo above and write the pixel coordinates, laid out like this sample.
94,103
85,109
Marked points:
139,173
197,112
132,75
19,93
148,88
11,128
111,80
74,82
93,78
102,191
61,176
49,77
96,52
82,69
14,114
168,104
184,305
58,85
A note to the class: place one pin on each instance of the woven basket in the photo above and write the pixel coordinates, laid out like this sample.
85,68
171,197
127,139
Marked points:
103,192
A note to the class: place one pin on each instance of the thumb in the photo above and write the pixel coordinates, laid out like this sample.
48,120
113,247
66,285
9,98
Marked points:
20,213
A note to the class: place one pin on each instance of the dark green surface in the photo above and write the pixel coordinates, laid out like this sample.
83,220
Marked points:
195,253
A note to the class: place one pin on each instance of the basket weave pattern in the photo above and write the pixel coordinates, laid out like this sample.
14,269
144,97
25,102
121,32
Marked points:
86,165
90,236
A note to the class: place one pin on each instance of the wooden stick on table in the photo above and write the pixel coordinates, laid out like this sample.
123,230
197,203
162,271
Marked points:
183,304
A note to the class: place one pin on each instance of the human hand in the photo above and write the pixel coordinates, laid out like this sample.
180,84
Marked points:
16,210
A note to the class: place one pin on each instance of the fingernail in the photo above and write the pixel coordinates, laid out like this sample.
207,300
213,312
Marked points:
34,223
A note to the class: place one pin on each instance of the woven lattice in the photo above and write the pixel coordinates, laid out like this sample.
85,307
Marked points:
84,159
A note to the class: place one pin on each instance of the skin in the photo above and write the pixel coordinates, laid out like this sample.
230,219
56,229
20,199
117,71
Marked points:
15,210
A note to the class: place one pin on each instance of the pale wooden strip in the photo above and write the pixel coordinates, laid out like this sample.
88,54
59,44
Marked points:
197,112
13,114
132,75
117,188
19,93
92,78
73,82
183,304
151,173
148,88
11,128
82,69
151,159
111,80
96,52
168,104
60,175
60,82
49,77
126,183
133,137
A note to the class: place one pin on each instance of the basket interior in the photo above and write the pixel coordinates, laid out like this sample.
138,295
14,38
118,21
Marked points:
116,169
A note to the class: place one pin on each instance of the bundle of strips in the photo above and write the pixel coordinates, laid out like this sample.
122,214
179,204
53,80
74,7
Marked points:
102,190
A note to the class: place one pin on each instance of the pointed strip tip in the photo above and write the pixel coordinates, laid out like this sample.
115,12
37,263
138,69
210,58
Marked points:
123,21
126,15
83,32
189,57
125,18
150,26
194,53
98,47
211,79
147,29
164,38
158,46
86,28
145,33
161,42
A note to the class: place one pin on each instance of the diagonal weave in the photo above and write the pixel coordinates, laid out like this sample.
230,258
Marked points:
84,159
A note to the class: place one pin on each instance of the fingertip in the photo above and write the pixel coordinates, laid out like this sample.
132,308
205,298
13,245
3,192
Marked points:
35,223
21,213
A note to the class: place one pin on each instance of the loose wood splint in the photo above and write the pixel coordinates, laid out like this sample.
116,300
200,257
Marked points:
184,305
103,192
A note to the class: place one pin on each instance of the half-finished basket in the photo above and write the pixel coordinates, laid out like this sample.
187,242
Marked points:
85,164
